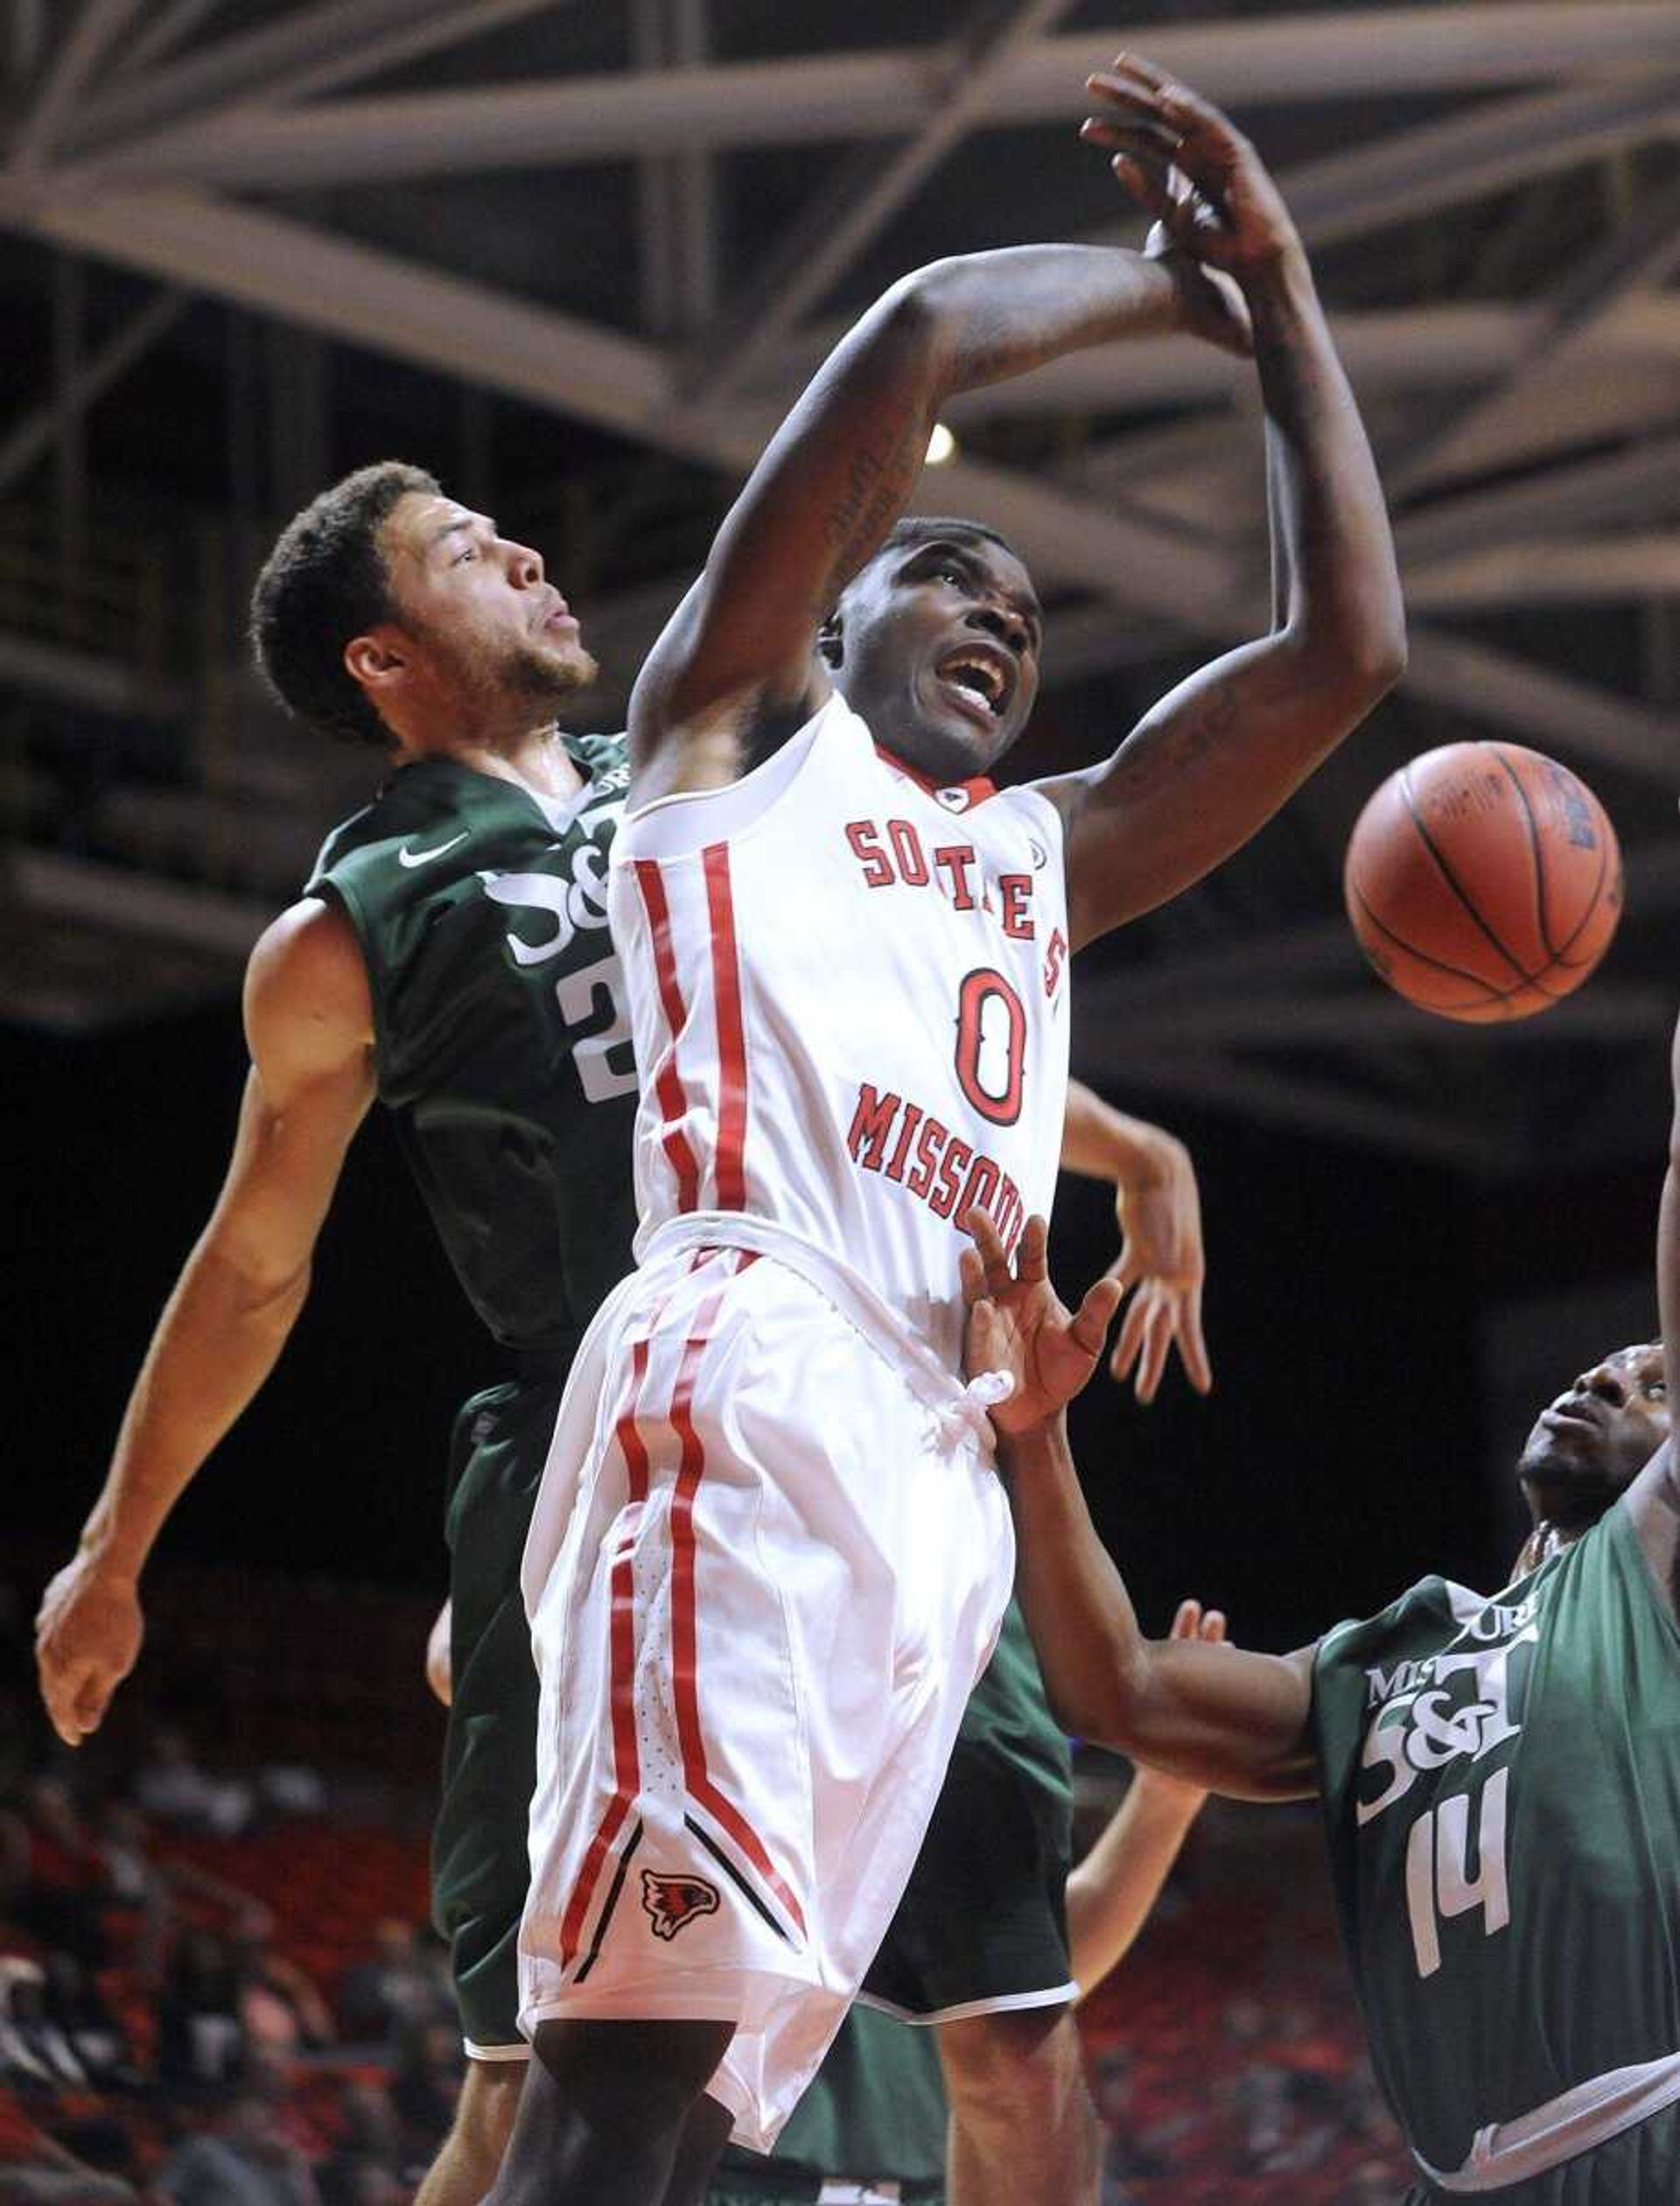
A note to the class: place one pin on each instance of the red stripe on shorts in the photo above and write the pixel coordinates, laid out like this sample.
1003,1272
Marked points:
667,1084
685,1674
626,1760
731,1040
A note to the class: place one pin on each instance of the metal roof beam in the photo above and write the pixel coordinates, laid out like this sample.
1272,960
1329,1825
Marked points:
1491,148
1636,257
162,32
371,299
34,435
1569,571
304,50
1538,705
135,903
827,236
1640,481
375,299
562,122
78,56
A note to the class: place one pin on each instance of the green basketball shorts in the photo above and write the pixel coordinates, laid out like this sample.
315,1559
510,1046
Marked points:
983,1924
481,1867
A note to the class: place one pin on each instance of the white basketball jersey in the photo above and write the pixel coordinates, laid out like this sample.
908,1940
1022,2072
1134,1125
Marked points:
848,995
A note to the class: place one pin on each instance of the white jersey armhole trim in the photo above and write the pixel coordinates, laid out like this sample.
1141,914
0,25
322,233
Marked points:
1028,796
683,824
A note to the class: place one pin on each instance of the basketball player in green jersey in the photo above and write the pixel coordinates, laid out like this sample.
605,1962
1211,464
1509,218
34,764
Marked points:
450,955
1500,1774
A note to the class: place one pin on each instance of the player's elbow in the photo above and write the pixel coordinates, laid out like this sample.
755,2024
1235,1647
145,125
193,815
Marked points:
1370,639
916,323
1379,652
1345,665
1099,1700
254,1288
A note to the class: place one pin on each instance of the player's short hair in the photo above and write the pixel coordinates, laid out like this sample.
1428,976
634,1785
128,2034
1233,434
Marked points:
326,581
924,528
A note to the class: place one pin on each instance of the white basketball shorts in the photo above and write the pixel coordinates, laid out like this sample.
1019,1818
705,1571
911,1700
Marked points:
783,1566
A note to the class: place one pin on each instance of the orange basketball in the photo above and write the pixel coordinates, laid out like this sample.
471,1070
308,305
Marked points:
1483,881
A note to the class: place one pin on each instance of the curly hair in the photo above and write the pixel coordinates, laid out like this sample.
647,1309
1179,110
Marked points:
326,581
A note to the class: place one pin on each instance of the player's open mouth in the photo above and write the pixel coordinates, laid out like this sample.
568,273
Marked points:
1585,1414
980,680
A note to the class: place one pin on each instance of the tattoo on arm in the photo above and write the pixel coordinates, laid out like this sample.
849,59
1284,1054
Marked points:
879,483
1160,755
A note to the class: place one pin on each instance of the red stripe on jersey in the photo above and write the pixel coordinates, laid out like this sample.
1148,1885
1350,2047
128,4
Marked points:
667,1085
685,1654
626,1760
731,1040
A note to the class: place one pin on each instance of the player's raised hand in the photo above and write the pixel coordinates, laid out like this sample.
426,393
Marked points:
87,1635
1190,166
1019,1324
1162,1266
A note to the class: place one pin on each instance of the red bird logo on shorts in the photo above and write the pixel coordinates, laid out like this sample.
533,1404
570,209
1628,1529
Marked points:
671,1902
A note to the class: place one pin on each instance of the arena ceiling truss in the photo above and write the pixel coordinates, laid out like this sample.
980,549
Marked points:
1492,193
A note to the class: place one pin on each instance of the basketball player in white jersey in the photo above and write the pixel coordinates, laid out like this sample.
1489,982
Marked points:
771,1554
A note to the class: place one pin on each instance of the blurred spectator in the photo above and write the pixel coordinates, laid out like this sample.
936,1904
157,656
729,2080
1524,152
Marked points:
280,2010
52,1879
401,1984
362,2182
200,2043
292,1789
77,2010
367,2167
124,1846
171,1786
34,2056
427,2083
54,2175
245,2159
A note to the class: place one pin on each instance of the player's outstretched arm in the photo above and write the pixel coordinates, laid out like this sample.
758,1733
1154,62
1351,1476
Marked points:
1654,1498
1113,1888
1224,1718
309,1021
1211,763
735,670
1161,1264
1668,1231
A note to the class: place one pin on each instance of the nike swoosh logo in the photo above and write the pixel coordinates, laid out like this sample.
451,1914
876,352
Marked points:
407,857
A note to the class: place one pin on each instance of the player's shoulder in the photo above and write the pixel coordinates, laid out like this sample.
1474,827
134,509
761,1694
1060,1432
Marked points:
308,968
1433,1605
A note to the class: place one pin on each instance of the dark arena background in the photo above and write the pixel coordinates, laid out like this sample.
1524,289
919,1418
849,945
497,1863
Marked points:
577,259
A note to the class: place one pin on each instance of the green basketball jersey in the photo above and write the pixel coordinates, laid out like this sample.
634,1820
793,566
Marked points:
1501,1795
501,1045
